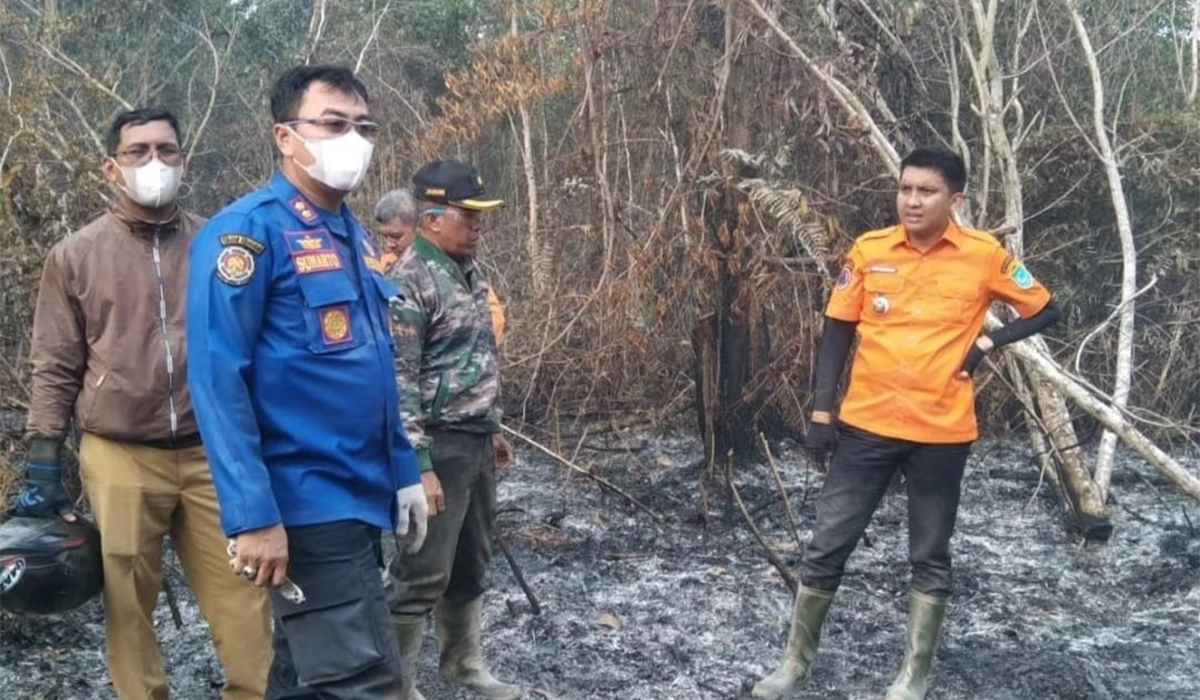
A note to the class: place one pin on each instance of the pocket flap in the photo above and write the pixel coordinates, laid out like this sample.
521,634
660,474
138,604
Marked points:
883,282
326,289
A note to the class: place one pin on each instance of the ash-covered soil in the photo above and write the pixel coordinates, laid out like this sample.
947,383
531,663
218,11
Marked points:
681,609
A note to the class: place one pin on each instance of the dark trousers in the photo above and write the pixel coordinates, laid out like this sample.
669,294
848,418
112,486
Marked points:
337,644
863,465
458,546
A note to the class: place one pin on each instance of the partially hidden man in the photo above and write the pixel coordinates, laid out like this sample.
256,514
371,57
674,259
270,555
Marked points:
296,396
109,352
447,367
917,294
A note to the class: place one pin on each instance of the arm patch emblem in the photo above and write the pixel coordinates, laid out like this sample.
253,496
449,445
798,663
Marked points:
235,265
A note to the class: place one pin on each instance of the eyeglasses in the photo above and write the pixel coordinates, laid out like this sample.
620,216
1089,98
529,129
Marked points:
169,154
336,126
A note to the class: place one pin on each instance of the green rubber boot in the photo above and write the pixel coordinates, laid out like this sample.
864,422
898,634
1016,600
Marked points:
409,631
809,615
925,616
459,633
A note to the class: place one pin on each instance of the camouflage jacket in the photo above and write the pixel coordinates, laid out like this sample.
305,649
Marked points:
445,347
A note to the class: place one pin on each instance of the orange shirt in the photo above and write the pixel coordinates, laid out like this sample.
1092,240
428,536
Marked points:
497,309
918,315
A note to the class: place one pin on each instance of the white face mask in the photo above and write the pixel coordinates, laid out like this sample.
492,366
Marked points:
151,185
341,162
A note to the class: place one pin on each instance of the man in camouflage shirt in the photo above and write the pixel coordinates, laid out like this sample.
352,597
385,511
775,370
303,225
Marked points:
447,370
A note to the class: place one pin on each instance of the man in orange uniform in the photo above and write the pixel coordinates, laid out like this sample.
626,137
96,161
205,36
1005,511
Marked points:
917,294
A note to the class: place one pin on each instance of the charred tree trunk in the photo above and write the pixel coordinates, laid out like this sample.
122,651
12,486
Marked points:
732,345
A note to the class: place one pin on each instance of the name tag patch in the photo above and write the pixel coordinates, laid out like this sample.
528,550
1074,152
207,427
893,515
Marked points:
312,251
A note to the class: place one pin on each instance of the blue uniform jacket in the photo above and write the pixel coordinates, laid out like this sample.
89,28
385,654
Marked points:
290,364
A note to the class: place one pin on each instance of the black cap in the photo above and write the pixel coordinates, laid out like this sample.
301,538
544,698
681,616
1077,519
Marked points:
454,183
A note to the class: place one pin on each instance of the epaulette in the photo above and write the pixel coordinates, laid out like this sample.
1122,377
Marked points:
982,236
252,201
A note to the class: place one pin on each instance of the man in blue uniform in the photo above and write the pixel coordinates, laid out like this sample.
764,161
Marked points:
292,379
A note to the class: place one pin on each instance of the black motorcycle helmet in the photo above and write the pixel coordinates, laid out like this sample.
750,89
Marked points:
48,565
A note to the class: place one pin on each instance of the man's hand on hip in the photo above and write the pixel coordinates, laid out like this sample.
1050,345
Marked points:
262,556
413,515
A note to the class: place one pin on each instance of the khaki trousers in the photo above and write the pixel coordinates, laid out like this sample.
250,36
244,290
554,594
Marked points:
140,494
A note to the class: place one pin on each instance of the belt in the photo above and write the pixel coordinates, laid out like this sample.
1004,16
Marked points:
179,442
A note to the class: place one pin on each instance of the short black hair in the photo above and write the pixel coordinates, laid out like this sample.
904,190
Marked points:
289,88
949,165
137,117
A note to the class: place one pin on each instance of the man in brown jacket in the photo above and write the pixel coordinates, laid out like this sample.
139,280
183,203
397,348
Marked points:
108,351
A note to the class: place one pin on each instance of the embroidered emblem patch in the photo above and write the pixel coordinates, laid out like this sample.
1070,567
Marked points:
335,325
244,241
844,276
235,265
1022,277
312,251
302,208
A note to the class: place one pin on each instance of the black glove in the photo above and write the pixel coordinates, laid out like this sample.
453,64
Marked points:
819,440
974,357
43,495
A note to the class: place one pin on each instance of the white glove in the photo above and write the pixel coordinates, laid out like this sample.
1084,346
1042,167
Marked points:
414,510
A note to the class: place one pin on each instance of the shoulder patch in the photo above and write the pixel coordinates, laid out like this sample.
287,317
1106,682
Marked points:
1021,277
244,241
235,265
843,279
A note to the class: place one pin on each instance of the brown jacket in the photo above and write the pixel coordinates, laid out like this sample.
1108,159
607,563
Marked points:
108,332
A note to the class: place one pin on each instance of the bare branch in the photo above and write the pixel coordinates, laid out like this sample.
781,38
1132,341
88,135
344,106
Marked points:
70,64
371,37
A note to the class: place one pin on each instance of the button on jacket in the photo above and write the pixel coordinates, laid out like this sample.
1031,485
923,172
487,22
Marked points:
292,366
918,315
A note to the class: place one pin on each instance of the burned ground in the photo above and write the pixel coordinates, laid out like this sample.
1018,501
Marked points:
683,609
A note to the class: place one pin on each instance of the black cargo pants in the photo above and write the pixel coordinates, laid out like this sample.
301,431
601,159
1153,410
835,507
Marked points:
338,644
863,465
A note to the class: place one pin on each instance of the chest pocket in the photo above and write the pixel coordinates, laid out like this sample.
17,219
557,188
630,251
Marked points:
882,294
331,306
956,299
